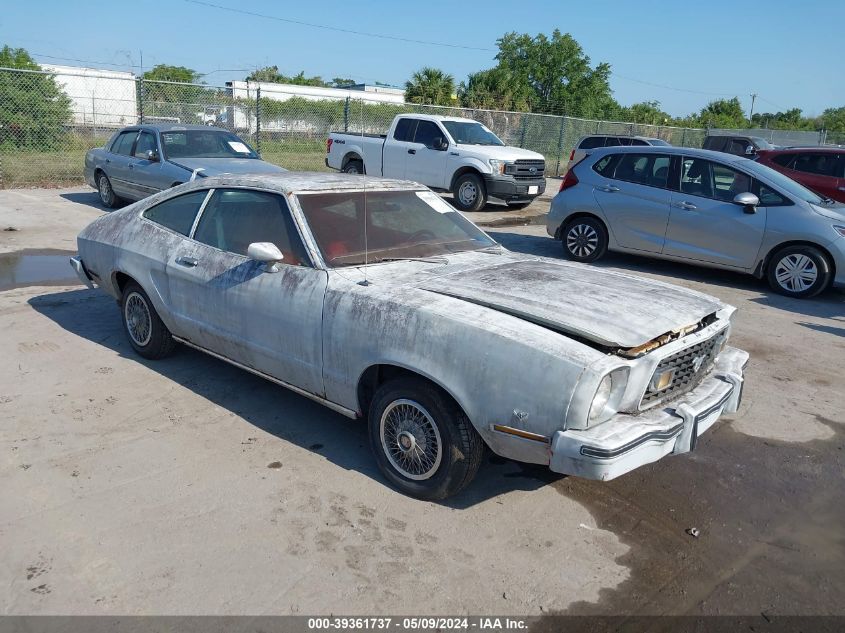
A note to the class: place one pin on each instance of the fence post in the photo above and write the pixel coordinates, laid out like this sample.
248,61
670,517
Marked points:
598,125
560,145
140,99
522,132
346,115
258,120
684,137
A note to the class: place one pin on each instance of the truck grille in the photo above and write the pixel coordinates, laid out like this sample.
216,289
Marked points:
521,169
689,365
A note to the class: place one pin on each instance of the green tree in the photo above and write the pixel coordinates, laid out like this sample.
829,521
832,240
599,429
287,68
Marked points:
833,119
645,112
175,93
493,89
430,86
33,109
271,74
342,82
723,113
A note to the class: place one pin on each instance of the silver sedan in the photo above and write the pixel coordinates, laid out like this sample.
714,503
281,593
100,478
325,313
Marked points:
378,299
701,207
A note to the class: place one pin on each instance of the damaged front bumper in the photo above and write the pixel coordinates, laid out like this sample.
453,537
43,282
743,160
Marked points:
626,442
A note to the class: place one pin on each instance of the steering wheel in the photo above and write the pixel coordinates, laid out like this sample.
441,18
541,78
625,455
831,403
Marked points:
421,235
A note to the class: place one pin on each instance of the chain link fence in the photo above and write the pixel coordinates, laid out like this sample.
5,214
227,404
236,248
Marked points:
49,120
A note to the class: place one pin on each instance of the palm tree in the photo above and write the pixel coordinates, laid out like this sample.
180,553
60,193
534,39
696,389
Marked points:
430,86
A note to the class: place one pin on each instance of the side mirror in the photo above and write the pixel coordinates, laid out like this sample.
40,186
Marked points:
266,252
748,201
152,155
439,143
750,151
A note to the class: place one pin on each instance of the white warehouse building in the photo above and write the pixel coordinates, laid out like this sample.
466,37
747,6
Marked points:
99,98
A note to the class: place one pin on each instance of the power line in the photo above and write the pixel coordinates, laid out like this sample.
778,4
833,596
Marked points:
697,92
338,29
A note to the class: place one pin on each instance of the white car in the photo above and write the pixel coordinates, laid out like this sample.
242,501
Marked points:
445,154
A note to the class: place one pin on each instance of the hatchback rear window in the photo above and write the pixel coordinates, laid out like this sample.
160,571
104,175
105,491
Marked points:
591,142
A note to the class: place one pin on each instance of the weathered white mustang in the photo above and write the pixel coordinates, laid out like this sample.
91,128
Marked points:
378,299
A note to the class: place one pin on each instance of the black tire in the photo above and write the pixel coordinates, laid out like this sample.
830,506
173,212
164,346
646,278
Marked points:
135,306
107,194
460,448
469,192
584,239
815,275
354,167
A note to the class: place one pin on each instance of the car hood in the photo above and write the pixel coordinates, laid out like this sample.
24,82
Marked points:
833,212
499,152
217,166
610,309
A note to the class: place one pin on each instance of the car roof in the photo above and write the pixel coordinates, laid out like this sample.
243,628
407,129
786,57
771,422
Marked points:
437,117
610,135
294,182
804,148
692,152
171,127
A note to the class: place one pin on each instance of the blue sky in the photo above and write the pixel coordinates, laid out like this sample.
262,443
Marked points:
789,53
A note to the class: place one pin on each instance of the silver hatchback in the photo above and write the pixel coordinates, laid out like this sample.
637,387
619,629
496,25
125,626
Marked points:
701,207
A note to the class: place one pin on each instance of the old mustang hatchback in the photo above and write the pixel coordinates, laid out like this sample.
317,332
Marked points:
378,299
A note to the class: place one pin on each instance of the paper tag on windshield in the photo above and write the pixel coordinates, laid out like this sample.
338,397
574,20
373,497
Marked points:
435,202
239,147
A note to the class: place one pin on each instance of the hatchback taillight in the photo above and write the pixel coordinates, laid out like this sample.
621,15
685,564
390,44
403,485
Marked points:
572,154
569,180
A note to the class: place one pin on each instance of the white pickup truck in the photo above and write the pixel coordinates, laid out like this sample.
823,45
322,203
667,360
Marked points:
445,154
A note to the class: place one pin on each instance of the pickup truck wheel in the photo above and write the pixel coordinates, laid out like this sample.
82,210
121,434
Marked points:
584,239
799,271
423,443
470,193
354,167
147,333
107,195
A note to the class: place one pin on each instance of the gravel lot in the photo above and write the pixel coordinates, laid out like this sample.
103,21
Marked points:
186,486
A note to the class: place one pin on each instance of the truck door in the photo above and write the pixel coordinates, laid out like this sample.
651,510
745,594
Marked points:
396,148
426,161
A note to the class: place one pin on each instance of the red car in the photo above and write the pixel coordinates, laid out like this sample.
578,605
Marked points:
821,169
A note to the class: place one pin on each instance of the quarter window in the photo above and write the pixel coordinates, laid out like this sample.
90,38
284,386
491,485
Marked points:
177,214
123,144
235,218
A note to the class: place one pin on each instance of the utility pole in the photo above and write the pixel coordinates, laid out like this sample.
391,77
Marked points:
753,99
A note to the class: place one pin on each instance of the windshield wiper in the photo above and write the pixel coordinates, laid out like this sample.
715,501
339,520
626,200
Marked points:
429,260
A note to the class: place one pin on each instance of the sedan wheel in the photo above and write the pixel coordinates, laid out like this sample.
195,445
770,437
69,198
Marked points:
584,239
799,271
104,188
422,441
147,333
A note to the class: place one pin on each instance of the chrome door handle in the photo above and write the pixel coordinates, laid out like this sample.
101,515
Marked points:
188,262
689,206
412,151
609,188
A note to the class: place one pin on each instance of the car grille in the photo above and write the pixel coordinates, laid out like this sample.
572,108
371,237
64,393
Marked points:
690,365
521,169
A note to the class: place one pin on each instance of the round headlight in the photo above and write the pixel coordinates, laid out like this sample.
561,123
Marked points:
601,398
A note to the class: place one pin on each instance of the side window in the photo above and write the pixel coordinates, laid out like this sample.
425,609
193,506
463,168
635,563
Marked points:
637,141
613,141
592,142
606,165
839,172
697,177
123,143
738,146
426,132
783,160
146,142
404,130
820,164
727,182
644,169
235,218
177,214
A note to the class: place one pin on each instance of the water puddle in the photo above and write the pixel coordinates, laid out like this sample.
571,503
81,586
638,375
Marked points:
36,268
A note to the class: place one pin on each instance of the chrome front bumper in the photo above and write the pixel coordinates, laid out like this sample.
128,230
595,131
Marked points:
626,442
79,267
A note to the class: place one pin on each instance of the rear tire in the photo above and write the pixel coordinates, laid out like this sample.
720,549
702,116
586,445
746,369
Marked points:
799,272
147,333
469,193
422,441
584,239
354,167
107,194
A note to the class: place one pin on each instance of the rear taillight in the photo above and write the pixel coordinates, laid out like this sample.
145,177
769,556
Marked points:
569,180
329,142
572,155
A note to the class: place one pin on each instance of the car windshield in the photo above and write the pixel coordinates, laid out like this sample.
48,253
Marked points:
204,144
471,133
762,143
657,142
355,227
784,183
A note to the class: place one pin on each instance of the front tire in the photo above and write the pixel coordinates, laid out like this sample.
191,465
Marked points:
354,167
422,442
469,193
147,333
107,194
799,271
584,239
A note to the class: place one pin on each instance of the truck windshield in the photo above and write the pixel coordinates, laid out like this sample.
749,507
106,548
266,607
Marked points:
471,133
352,228
204,144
